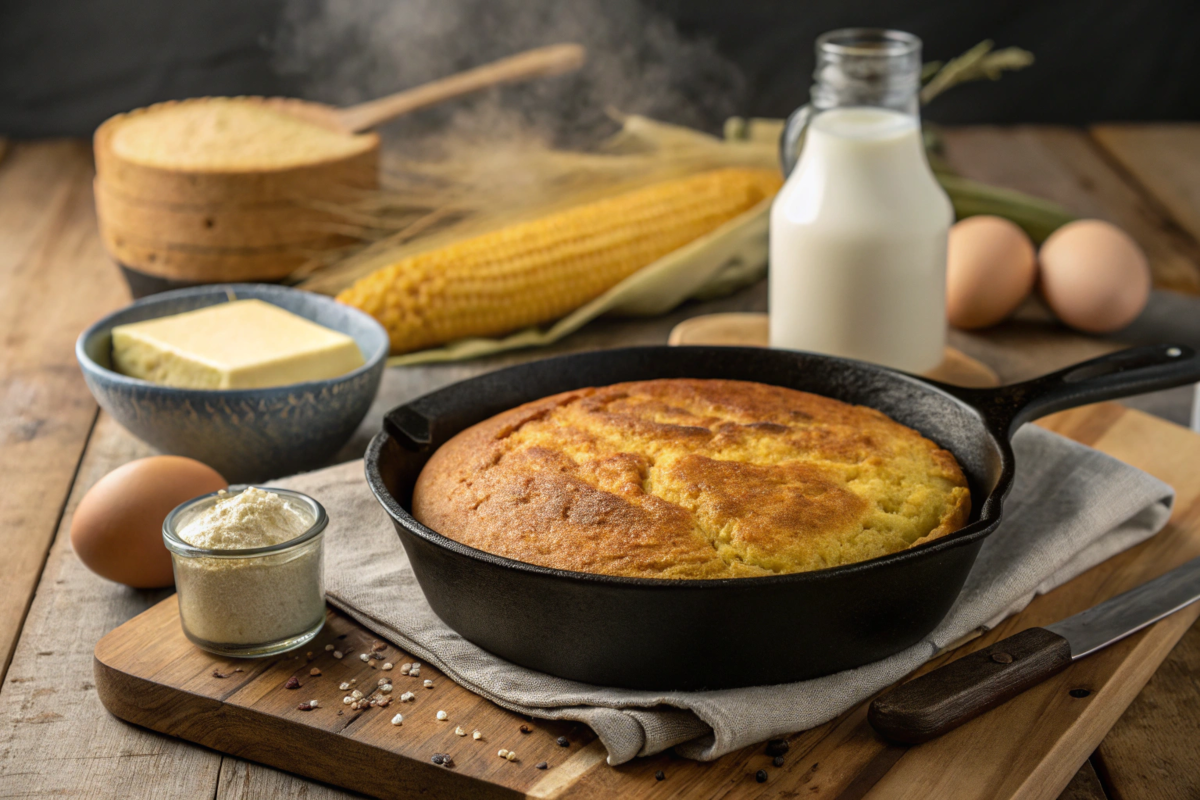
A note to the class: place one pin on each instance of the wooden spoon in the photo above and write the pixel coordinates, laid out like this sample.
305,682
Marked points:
540,62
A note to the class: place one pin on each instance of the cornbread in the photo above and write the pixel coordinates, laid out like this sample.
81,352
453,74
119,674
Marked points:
245,344
229,134
691,479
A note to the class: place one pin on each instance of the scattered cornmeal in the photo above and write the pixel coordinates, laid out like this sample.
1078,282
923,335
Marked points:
314,672
428,684
328,648
396,720
511,756
477,735
387,665
337,653
458,731
442,716
502,753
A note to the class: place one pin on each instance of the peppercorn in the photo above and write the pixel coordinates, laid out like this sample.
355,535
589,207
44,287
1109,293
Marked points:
761,776
562,741
777,747
660,776
778,761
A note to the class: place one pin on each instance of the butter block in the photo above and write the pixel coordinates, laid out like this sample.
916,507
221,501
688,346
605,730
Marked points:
244,344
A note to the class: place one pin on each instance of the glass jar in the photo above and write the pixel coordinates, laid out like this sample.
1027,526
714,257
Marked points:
859,230
250,602
871,67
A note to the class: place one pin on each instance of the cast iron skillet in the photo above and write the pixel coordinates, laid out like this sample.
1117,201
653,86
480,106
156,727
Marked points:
687,635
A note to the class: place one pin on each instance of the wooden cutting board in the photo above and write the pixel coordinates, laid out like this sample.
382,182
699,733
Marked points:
147,673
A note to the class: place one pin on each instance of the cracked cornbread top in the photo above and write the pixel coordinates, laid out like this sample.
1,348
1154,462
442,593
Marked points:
691,479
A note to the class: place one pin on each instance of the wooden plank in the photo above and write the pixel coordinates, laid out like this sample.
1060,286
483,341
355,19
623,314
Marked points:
1154,749
245,780
54,281
55,736
1034,745
1165,160
1085,785
1061,164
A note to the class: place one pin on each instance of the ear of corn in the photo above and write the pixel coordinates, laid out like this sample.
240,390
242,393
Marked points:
538,271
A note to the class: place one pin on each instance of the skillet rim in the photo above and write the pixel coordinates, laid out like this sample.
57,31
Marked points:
990,514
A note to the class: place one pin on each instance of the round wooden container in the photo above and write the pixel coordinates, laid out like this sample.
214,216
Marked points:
177,227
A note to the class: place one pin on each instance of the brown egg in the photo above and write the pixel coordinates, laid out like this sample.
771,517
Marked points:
990,269
117,528
1094,276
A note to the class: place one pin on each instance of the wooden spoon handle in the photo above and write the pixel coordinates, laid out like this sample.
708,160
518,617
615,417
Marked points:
543,61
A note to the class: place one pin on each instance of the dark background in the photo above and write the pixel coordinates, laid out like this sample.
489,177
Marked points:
66,65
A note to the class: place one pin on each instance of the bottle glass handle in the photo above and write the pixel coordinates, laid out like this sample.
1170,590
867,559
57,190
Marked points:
792,138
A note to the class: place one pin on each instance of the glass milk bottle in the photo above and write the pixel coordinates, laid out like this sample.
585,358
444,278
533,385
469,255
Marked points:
858,232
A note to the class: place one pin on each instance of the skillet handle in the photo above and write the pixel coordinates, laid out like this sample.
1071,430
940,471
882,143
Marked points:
941,700
1121,374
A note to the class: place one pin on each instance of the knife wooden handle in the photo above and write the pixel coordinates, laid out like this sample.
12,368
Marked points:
941,700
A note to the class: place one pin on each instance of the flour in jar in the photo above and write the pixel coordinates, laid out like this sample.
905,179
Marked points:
229,602
250,518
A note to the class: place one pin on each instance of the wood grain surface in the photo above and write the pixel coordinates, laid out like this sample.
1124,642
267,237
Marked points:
1165,161
55,738
1030,747
47,234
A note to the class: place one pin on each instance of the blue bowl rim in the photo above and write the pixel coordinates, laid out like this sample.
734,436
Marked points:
88,364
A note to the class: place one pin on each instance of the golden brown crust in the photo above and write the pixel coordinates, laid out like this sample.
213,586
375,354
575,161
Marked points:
691,479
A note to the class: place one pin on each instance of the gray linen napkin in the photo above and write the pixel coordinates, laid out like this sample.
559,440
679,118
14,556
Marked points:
1071,508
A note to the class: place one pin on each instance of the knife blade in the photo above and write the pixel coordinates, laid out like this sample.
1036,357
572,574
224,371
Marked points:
1129,612
945,698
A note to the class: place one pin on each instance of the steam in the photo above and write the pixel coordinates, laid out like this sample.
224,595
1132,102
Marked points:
347,51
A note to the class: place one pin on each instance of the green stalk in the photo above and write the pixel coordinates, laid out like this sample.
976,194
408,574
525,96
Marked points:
1038,218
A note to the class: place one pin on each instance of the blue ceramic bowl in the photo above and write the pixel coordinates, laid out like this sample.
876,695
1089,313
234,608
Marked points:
245,434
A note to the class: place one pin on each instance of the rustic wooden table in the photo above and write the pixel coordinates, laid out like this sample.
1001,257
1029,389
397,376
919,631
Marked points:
56,738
